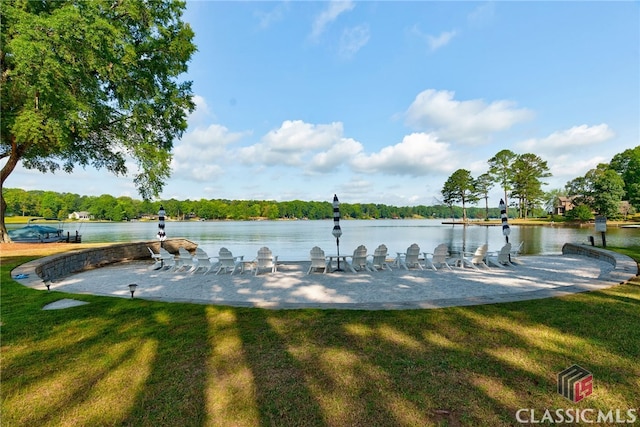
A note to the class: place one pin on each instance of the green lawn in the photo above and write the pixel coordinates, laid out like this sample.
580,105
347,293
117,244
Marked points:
140,363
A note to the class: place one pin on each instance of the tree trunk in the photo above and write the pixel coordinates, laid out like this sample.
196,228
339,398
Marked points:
506,203
486,208
14,157
4,235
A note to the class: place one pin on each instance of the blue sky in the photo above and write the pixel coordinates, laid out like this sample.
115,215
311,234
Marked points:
382,101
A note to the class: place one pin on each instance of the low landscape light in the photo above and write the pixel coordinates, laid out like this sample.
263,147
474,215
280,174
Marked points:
132,288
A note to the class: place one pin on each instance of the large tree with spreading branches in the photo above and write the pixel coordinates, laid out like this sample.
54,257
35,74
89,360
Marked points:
93,83
460,187
501,170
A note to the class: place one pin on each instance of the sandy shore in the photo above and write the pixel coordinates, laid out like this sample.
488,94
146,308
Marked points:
291,286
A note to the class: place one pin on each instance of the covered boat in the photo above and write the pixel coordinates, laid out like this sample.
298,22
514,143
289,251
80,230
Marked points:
38,233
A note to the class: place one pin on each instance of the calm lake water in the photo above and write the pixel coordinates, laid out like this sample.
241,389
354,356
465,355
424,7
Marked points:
292,240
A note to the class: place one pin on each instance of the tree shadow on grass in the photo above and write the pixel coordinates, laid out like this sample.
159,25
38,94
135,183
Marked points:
282,393
133,362
458,366
111,362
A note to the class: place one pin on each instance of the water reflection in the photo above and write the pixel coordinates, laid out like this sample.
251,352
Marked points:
292,240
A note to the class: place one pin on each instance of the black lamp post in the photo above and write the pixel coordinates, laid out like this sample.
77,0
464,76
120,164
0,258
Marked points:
337,232
132,288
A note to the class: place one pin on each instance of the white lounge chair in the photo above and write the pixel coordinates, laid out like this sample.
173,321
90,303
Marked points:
154,255
439,257
359,259
265,261
500,258
476,258
228,262
515,252
167,259
157,258
379,259
410,259
185,261
318,260
202,262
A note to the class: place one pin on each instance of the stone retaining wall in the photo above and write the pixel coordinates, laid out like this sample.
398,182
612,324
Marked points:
61,265
623,265
589,251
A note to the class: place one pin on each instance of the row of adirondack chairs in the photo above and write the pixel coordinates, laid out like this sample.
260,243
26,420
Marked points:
414,258
200,261
360,260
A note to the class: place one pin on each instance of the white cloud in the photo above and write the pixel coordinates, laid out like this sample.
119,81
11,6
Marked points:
295,134
570,152
482,15
335,9
436,42
353,39
577,136
274,15
201,151
201,114
418,154
462,121
355,187
566,167
338,154
291,143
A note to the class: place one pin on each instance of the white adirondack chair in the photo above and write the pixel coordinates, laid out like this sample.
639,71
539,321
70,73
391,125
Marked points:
228,262
476,258
318,260
202,262
410,259
168,260
379,259
515,252
439,257
185,261
500,258
359,259
157,258
265,261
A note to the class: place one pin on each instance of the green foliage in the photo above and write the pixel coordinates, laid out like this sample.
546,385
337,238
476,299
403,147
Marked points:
608,190
122,361
500,169
627,164
106,207
483,184
93,83
601,189
527,171
580,213
460,187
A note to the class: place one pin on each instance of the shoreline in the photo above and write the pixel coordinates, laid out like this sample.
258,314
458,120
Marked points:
447,221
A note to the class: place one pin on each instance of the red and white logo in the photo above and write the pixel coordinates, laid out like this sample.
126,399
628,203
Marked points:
575,383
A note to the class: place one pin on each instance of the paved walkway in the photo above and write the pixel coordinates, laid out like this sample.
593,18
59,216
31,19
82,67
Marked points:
535,277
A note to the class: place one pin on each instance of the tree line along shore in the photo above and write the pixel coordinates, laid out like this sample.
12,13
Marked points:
22,205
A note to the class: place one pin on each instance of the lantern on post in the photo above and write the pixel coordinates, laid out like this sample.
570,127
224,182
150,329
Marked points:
132,288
